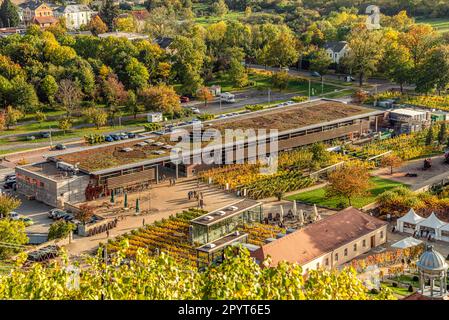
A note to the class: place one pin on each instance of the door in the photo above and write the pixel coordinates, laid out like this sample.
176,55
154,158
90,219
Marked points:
373,241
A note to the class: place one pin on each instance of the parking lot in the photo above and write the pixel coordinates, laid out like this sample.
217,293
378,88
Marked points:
29,208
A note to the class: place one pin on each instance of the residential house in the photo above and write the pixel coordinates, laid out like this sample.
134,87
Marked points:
75,15
327,243
38,13
140,16
127,35
165,43
336,50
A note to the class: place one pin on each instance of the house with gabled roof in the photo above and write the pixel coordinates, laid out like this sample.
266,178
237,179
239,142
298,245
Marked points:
336,50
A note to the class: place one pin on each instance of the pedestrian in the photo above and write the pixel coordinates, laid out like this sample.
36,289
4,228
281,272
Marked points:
198,183
174,181
107,233
143,222
201,203
189,195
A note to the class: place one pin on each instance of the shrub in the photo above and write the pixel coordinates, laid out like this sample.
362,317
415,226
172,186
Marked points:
152,126
415,278
299,98
60,229
394,284
254,107
410,288
206,116
374,291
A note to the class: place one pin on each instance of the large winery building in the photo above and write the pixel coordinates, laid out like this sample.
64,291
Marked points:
96,171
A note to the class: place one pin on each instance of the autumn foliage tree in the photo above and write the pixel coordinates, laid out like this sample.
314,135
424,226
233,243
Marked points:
392,161
85,213
348,181
205,95
160,98
97,26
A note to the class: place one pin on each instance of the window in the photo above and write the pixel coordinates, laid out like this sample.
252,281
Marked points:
326,262
364,243
355,246
346,252
336,257
381,234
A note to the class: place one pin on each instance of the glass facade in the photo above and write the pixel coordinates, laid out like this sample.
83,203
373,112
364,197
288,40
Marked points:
202,234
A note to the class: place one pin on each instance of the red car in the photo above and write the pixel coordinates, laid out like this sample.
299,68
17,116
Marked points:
184,99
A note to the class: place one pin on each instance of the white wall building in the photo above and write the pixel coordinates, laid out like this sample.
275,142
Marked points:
76,15
336,50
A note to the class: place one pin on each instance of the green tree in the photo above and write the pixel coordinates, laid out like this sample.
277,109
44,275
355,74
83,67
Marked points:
282,51
11,232
12,116
49,88
132,106
219,8
365,54
65,124
60,230
9,16
433,72
280,80
8,204
23,95
97,116
40,117
137,75
320,62
430,136
442,134
108,13
398,64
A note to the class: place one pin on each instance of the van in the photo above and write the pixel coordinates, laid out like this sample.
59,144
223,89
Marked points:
227,97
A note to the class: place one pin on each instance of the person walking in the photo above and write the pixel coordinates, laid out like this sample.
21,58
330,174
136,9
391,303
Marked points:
201,203
143,222
107,233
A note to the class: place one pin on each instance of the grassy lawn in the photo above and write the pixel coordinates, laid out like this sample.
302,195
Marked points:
230,16
262,81
397,290
339,94
318,196
440,24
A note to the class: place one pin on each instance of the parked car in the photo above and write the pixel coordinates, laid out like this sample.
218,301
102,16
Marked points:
184,99
60,146
14,215
131,135
10,177
27,221
68,217
108,139
195,110
10,184
315,74
56,214
290,102
31,137
45,134
115,137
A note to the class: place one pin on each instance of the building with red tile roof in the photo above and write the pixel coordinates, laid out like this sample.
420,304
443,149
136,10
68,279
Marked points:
329,242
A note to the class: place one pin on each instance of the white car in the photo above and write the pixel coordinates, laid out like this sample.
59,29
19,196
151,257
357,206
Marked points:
14,215
195,110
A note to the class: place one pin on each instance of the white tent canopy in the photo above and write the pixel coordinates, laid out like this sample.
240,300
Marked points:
410,218
406,243
432,222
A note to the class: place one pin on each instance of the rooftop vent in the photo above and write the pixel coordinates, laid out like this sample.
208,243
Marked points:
236,233
127,149
158,152
141,144
232,208
167,146
220,213
158,144
149,141
208,218
209,245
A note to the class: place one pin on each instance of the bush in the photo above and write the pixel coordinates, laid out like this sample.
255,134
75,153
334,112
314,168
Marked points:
206,116
374,291
415,278
394,284
299,98
152,126
254,107
60,229
410,288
